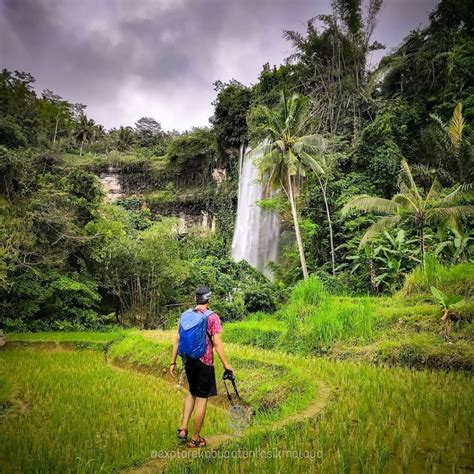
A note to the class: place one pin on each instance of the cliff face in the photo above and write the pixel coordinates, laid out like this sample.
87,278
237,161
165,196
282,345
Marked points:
195,180
197,205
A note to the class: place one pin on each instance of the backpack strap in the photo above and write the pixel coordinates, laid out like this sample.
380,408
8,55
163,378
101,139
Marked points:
207,313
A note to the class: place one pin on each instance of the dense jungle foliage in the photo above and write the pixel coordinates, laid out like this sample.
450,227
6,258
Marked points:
391,187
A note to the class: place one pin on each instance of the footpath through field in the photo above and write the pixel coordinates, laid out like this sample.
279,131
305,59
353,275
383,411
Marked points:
183,453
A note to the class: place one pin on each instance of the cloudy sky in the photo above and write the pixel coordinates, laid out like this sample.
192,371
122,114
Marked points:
127,59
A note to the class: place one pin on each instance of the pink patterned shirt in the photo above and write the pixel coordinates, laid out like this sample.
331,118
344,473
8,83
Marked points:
214,326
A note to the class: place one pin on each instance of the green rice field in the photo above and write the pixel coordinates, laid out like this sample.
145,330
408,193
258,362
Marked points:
76,411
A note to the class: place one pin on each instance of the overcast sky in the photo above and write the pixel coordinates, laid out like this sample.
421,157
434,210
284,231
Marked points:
127,59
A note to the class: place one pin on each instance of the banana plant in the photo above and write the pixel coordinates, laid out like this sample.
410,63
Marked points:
456,245
387,259
395,256
446,303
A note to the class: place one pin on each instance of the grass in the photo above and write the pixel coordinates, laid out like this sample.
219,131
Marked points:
190,195
451,280
378,419
164,196
5,396
97,162
272,385
405,329
263,333
315,319
74,413
99,338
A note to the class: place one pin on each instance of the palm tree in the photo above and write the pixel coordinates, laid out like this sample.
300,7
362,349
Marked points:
287,152
126,138
454,135
84,131
99,131
412,203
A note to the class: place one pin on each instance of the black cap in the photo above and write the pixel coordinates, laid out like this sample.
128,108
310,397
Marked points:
203,295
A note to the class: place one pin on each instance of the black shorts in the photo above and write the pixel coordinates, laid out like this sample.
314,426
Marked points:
201,378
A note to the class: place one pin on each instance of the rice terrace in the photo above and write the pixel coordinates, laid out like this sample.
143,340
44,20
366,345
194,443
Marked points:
275,274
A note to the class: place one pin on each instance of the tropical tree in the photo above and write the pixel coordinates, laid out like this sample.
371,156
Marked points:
332,60
54,115
414,204
323,180
454,135
148,131
99,131
84,131
287,152
125,138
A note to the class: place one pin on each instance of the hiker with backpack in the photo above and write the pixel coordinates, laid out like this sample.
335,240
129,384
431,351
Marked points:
199,332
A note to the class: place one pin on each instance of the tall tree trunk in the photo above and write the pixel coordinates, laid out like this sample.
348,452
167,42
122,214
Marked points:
56,129
372,271
422,242
328,214
117,309
82,144
299,242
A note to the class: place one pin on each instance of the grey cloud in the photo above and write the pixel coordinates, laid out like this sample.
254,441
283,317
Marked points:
128,59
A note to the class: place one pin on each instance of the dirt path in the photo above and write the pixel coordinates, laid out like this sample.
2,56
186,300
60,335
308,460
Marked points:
185,454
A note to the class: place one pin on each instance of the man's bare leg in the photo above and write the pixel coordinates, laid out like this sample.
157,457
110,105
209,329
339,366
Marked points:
199,414
187,411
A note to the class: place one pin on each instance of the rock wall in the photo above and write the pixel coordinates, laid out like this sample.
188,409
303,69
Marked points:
191,208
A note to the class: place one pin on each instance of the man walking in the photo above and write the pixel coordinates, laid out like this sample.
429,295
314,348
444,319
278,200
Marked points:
199,332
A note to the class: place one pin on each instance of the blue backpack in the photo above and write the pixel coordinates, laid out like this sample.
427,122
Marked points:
192,333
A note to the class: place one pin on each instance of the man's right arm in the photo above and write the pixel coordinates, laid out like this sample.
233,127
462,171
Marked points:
219,347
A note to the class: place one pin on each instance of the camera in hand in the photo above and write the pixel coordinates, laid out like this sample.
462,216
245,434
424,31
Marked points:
228,375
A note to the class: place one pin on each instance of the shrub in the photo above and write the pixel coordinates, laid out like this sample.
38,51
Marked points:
230,310
337,319
259,298
52,302
237,287
309,291
452,280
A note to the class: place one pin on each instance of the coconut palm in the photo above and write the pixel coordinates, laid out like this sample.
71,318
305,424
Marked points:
99,131
454,134
84,131
287,152
126,138
412,203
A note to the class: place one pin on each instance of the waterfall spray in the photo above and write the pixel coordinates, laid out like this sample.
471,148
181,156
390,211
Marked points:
256,232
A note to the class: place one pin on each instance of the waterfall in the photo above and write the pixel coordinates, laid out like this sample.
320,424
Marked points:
111,182
256,231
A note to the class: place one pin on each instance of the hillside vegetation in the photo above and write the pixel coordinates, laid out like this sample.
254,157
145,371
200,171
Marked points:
381,182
